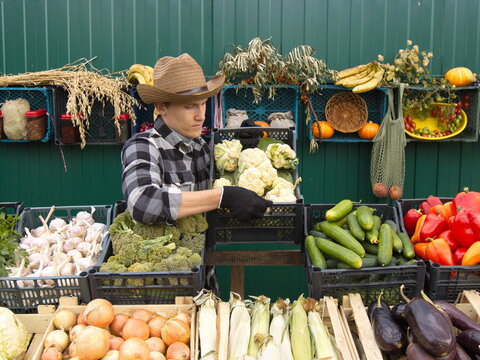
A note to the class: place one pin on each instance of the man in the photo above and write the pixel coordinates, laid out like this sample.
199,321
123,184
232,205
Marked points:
166,169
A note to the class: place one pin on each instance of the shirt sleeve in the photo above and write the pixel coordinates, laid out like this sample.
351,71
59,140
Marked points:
148,199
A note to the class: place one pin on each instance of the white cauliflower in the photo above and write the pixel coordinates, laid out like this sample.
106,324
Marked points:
282,191
221,182
251,179
252,157
269,173
282,156
226,155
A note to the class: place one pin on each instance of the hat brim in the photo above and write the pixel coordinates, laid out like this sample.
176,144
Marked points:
151,94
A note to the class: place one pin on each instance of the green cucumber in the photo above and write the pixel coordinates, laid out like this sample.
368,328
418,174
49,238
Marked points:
394,262
370,248
392,225
408,252
402,260
411,262
367,262
316,257
397,242
317,234
316,226
372,235
339,211
385,245
343,237
332,264
339,252
365,217
355,228
341,222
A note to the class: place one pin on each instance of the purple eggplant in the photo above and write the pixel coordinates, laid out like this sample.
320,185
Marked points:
451,356
461,354
415,352
459,319
470,341
389,336
373,305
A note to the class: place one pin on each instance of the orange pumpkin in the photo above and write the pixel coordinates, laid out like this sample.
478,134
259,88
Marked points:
368,131
322,129
460,76
262,124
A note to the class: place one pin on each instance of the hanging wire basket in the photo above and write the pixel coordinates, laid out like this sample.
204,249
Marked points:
346,112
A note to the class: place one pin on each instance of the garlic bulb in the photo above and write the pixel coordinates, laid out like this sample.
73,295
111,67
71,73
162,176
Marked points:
56,224
39,243
98,227
71,244
93,236
39,231
76,231
84,263
36,257
85,217
53,238
84,248
68,269
75,255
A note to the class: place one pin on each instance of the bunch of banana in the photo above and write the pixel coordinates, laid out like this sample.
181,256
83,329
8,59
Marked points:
361,78
140,74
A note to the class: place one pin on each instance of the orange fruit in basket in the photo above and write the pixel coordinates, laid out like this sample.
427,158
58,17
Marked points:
460,76
395,192
322,129
380,190
368,131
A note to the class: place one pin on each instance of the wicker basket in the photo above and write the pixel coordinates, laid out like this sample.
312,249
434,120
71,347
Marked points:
346,112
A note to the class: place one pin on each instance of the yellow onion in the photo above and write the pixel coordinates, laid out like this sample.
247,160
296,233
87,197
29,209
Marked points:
156,324
77,329
175,330
117,324
111,355
51,353
57,338
134,349
155,355
116,342
156,344
142,314
92,343
99,313
64,320
178,351
135,328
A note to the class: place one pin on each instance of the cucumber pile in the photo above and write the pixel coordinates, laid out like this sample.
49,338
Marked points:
357,238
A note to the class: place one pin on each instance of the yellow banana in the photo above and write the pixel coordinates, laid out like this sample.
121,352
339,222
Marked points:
355,82
357,76
142,69
352,71
372,84
136,78
150,70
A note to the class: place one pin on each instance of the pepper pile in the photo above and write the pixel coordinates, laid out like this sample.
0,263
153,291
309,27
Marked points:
447,233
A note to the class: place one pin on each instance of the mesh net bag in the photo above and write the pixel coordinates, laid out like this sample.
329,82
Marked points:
387,167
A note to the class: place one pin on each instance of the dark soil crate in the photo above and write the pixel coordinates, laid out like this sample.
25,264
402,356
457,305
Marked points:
241,98
376,101
102,126
26,299
470,133
285,221
147,287
38,98
403,205
11,208
368,282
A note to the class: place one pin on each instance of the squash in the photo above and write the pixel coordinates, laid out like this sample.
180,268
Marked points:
262,124
322,129
460,76
368,131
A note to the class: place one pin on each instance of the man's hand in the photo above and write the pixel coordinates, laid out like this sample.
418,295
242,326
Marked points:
244,204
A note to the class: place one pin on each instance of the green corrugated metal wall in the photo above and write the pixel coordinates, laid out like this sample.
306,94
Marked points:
43,34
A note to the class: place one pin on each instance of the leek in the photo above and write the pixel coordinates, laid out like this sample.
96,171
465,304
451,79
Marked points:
260,322
320,336
207,324
239,329
279,328
299,333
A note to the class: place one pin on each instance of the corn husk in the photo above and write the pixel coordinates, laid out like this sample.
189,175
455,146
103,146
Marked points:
207,324
260,322
239,334
323,348
279,328
299,332
268,349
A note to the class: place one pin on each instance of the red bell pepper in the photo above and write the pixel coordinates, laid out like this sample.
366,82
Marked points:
448,237
428,203
462,230
410,220
433,226
458,255
444,210
474,218
466,201
421,250
416,236
439,251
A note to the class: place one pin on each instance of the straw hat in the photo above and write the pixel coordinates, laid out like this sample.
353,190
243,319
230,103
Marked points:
179,79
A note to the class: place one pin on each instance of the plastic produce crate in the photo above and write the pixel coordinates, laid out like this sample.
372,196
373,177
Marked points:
38,98
285,221
11,208
26,299
470,134
241,98
376,101
102,126
368,282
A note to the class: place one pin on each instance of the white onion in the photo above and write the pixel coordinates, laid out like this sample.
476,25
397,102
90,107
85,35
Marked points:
58,338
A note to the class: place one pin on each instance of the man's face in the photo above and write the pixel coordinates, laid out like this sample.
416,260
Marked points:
185,118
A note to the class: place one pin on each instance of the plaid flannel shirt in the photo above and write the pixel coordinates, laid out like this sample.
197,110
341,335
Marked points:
158,165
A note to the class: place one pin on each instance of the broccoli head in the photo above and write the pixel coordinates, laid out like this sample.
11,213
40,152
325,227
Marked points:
157,251
140,268
112,266
193,241
130,251
123,222
192,224
183,260
119,239
201,223
152,231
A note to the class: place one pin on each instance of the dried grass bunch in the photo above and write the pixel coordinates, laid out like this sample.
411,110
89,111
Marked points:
84,85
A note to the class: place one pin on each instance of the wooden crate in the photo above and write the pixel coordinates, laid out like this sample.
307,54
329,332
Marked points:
183,304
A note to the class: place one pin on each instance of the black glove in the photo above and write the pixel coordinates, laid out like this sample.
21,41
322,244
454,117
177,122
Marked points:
244,204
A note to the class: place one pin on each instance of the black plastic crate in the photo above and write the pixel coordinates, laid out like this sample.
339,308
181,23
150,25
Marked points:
368,282
403,205
241,98
11,208
470,134
102,126
376,101
145,287
22,297
285,221
448,282
38,98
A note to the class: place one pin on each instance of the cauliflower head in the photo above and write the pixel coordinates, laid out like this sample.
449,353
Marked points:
252,157
282,156
268,173
221,182
226,155
282,191
251,179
